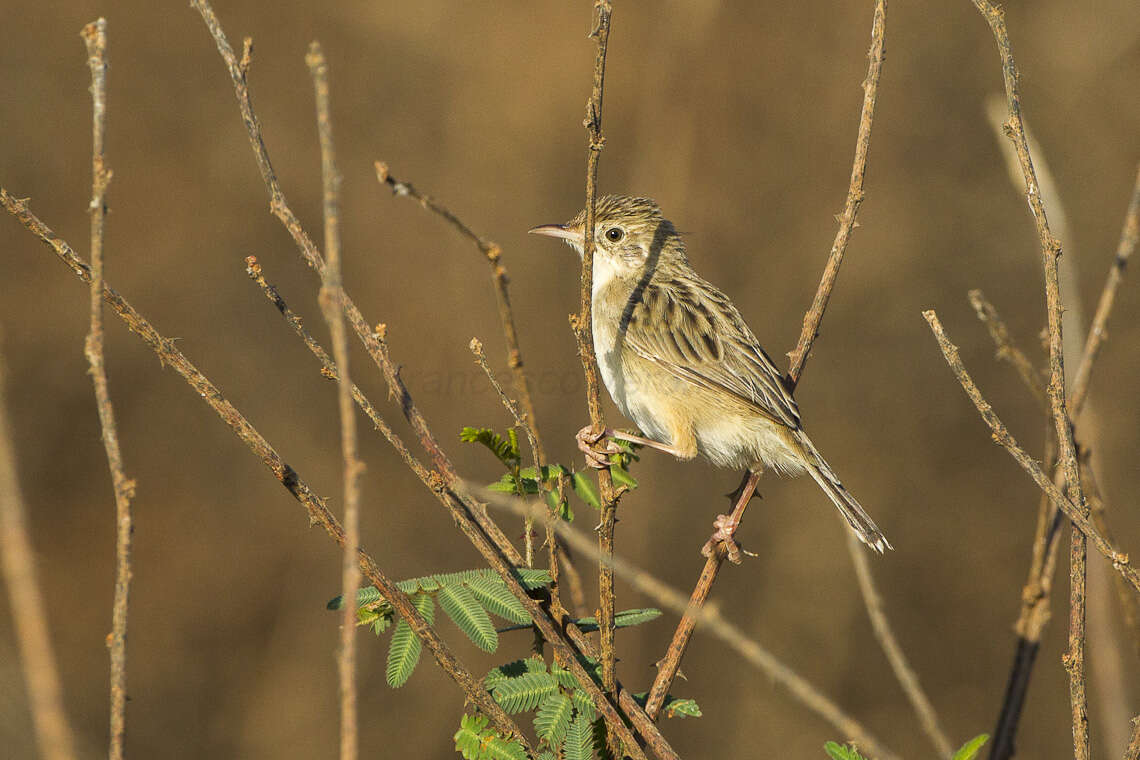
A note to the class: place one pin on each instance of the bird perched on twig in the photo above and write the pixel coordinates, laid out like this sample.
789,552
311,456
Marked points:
679,360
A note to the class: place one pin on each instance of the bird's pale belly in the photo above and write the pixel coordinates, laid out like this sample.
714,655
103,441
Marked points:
660,405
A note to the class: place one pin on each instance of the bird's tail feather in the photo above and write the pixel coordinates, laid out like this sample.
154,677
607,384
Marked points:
860,522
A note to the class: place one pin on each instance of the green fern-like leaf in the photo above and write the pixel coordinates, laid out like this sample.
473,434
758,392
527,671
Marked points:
524,693
579,743
469,737
970,749
404,650
498,748
464,609
841,752
513,670
494,595
507,450
623,619
583,704
553,718
564,677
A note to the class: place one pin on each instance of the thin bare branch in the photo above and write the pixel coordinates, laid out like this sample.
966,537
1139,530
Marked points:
903,671
711,618
1129,236
583,327
331,298
95,37
29,614
1007,350
1050,253
667,669
318,512
481,359
799,355
1118,559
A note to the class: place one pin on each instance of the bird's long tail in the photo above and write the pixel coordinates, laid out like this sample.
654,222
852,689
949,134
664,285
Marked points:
854,514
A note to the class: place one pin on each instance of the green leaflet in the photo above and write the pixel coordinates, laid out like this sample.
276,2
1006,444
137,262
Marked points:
585,490
564,677
579,744
475,741
404,650
464,609
552,719
841,752
513,670
620,476
970,749
623,619
495,597
524,693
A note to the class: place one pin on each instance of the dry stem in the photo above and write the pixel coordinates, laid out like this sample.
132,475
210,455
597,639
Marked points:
95,37
29,614
331,297
1006,349
1050,253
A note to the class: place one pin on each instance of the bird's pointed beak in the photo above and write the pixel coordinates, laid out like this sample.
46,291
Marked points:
572,234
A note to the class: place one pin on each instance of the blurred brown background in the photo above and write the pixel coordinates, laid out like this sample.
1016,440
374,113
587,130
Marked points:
740,119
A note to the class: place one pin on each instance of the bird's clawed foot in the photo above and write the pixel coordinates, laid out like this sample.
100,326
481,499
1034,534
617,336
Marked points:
593,442
724,534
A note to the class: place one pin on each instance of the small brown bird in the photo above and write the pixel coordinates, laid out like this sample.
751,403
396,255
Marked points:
679,360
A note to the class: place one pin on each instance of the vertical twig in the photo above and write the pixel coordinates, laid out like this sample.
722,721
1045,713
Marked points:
584,333
95,37
29,615
331,298
1050,253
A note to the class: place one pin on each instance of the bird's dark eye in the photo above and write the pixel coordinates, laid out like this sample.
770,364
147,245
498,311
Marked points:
614,234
